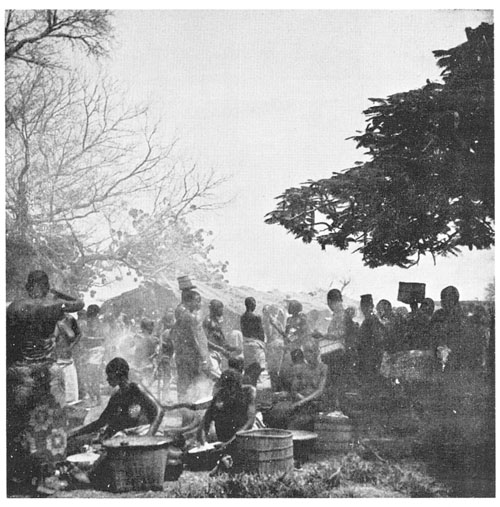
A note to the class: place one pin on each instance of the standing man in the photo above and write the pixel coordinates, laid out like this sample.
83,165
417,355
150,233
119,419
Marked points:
253,335
371,334
332,345
220,350
144,351
191,348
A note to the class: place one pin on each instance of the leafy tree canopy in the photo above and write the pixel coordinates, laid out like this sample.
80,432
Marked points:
428,186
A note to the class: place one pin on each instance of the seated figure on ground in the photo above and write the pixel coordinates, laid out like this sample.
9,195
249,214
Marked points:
130,406
232,410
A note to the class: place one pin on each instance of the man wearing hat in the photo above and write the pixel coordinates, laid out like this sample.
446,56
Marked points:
371,335
332,345
191,347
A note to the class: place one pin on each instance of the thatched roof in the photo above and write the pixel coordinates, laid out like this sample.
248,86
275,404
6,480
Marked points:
151,299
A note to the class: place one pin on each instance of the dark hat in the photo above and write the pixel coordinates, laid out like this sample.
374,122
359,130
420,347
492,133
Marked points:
185,283
366,298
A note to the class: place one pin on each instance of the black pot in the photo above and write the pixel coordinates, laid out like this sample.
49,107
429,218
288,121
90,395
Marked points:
202,460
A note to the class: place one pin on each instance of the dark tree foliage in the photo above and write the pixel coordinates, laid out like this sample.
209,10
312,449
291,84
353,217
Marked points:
428,186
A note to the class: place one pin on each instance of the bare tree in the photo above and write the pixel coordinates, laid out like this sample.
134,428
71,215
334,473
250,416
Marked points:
35,37
78,159
344,282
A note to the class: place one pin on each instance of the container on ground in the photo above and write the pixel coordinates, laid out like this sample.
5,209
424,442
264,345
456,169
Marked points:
264,451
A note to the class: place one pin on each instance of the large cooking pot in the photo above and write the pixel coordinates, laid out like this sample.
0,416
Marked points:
303,444
204,457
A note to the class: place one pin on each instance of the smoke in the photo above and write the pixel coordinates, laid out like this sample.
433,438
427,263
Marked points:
201,388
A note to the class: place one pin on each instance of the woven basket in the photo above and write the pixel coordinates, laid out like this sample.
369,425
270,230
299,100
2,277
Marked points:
137,463
265,451
335,434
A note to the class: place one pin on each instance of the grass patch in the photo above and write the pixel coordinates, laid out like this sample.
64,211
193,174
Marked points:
358,479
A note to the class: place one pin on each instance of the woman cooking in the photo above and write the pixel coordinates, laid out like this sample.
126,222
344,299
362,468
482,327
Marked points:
232,410
130,406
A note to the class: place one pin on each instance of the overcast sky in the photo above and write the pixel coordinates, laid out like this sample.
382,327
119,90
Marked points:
270,98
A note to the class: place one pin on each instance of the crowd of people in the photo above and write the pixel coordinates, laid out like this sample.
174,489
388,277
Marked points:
55,360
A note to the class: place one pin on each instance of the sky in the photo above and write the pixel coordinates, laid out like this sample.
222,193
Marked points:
269,97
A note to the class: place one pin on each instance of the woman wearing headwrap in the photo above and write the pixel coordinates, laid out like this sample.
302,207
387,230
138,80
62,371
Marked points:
36,421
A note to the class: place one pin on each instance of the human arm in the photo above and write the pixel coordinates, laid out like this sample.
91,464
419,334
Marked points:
277,325
250,392
96,425
205,425
317,393
69,303
153,409
260,329
224,351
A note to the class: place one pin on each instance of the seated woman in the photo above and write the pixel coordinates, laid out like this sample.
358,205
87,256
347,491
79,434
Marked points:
308,384
129,407
232,410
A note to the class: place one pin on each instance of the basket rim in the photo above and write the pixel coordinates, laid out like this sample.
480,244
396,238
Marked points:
148,442
269,432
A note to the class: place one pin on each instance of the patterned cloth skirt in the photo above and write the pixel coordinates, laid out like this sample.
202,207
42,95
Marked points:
36,419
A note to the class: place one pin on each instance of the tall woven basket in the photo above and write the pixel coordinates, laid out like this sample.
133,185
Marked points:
137,463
